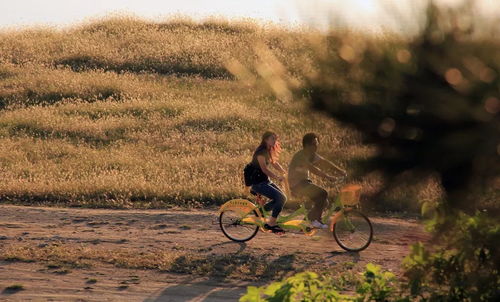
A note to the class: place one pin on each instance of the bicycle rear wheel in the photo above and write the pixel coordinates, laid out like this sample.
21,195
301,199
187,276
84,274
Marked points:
234,228
353,231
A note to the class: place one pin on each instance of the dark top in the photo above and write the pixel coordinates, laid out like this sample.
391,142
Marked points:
261,150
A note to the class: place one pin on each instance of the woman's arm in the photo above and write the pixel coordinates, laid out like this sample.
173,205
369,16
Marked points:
278,167
262,163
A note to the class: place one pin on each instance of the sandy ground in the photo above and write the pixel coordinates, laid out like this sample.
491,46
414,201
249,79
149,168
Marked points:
189,231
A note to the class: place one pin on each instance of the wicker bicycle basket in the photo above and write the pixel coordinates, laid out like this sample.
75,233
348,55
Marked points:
349,195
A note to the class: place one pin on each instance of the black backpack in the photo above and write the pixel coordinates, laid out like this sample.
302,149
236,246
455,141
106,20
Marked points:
253,175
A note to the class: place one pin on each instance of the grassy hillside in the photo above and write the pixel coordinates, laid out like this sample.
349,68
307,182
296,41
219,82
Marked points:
126,113
180,47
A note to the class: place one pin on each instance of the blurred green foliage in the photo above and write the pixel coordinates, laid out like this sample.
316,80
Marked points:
430,105
465,268
373,284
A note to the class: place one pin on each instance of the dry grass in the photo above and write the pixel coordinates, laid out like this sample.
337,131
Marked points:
168,148
60,258
129,113
128,44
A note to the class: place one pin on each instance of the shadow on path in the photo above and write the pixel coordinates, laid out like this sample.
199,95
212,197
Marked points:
205,290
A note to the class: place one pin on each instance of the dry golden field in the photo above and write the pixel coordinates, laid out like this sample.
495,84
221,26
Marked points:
128,113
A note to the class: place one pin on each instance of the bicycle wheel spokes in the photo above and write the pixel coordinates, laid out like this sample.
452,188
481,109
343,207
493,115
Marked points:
234,228
353,231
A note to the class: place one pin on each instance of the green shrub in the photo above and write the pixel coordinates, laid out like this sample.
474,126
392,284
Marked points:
465,268
372,285
307,286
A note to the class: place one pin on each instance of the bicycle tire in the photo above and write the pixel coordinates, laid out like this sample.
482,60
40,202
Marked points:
363,227
224,224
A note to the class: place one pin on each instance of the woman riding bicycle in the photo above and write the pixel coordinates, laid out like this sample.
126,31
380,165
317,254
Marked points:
265,155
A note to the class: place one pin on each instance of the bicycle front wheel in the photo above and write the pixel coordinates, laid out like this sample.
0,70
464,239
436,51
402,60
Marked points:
353,231
234,228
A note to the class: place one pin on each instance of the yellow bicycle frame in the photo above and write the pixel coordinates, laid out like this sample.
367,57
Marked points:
245,207
349,195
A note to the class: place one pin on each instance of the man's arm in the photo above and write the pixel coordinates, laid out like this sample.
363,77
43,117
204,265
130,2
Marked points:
316,171
325,162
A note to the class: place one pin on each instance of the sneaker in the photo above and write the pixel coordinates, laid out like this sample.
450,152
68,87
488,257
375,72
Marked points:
318,225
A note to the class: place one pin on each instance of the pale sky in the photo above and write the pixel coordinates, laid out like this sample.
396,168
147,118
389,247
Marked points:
365,14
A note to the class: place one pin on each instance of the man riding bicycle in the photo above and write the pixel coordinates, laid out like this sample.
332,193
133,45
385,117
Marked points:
303,162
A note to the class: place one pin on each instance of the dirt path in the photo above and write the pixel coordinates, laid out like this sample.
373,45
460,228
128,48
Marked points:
220,270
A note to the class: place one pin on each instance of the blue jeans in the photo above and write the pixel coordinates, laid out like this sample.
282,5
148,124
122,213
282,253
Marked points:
273,192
